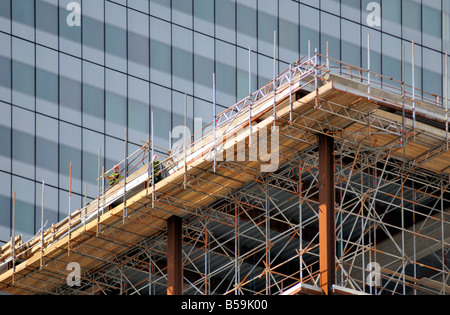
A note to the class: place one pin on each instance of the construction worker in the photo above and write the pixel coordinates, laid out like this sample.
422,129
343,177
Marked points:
157,168
115,177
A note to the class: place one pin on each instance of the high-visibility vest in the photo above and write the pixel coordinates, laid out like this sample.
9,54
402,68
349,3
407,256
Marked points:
115,178
157,166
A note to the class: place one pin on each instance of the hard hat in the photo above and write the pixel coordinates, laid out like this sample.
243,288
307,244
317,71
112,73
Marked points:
116,167
155,158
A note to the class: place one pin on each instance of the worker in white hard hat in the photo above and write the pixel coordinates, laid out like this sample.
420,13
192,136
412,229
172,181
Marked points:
115,177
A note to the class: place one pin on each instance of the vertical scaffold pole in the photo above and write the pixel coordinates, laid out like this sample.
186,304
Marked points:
42,224
215,120
237,279
368,67
152,159
413,81
185,140
328,57
290,94
274,77
316,72
98,188
250,98
300,220
13,240
70,197
125,171
446,92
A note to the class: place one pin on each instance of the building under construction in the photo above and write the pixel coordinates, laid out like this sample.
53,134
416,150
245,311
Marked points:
324,181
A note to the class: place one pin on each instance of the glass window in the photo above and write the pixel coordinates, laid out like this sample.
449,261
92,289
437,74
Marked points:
226,20
375,51
432,72
23,142
391,11
5,206
267,24
69,151
92,142
265,70
432,24
47,150
204,16
203,114
289,31
309,30
417,67
75,203
203,66
330,6
246,23
314,3
141,5
161,100
225,73
138,44
392,59
331,28
115,152
138,110
116,37
5,135
182,13
116,103
24,206
446,25
178,112
23,73
5,19
242,73
93,96
47,81
351,43
182,59
69,36
5,65
161,52
50,206
351,9
412,20
23,19
160,8
93,31
70,89
47,22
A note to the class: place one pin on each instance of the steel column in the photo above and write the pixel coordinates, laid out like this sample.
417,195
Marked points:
174,257
326,213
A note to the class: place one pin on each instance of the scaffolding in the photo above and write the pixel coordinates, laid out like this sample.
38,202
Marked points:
250,229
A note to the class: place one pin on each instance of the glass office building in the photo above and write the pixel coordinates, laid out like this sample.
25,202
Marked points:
72,82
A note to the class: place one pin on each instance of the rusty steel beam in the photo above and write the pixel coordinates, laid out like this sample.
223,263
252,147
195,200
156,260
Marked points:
174,257
326,213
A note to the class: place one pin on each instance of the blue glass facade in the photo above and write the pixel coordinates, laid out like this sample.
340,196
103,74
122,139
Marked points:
68,88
